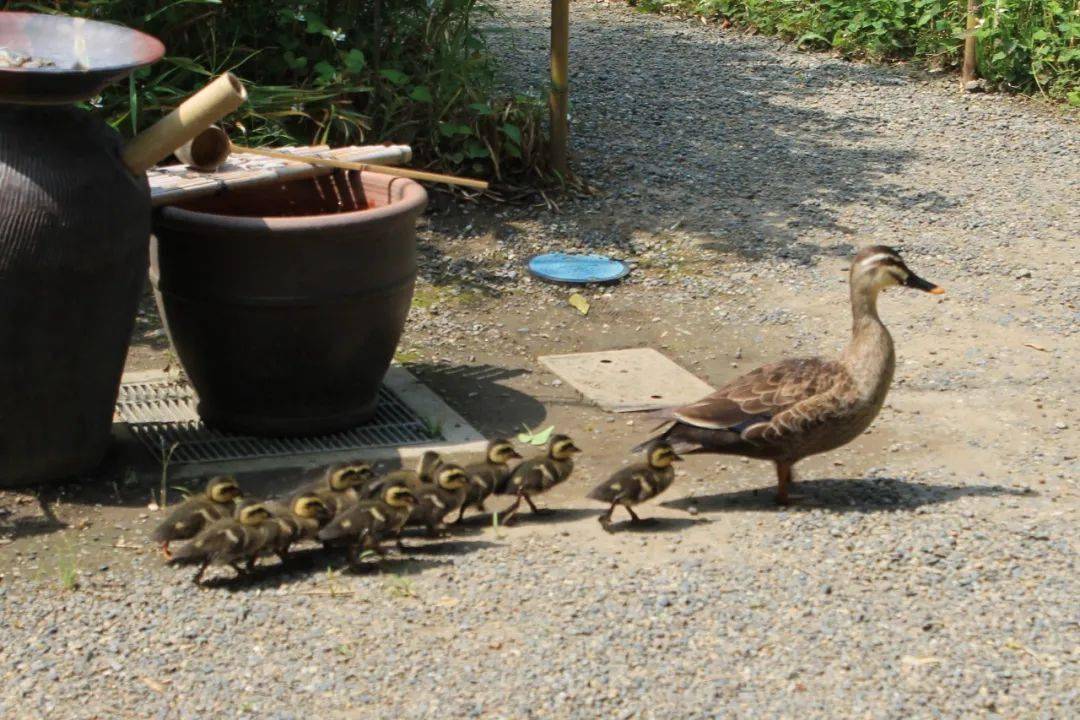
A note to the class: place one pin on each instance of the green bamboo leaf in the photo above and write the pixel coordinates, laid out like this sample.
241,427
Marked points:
421,93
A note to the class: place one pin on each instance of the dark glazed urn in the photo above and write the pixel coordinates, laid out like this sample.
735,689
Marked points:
285,303
74,226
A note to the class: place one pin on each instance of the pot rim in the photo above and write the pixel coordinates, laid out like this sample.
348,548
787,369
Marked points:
410,197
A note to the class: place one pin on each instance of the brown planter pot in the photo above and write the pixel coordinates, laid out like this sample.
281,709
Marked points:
285,303
74,225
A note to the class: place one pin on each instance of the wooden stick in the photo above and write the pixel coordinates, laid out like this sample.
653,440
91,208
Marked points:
558,95
194,115
967,73
346,165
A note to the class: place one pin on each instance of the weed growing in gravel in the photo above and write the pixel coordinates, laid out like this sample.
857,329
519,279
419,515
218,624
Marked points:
399,586
67,568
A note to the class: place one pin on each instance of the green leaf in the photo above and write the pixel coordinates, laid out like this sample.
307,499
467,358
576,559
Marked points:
315,24
450,129
1074,98
476,150
420,93
513,132
187,64
481,108
394,76
354,60
325,71
535,437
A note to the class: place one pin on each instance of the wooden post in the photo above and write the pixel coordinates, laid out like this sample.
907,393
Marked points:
967,74
558,95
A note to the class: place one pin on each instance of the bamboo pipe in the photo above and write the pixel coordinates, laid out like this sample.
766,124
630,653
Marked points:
558,100
347,165
198,112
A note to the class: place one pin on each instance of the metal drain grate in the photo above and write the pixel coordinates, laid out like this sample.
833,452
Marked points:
161,414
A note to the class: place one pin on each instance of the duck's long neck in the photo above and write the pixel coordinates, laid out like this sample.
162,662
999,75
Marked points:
869,356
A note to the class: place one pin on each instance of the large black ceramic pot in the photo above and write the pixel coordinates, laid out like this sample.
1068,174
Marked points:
74,225
285,303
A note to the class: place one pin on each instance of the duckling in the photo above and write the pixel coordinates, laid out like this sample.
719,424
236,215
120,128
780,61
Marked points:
253,532
302,519
540,474
364,525
637,483
790,410
436,500
488,476
429,464
215,502
338,486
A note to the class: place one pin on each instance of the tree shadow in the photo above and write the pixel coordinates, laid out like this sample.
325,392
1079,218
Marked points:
840,495
741,154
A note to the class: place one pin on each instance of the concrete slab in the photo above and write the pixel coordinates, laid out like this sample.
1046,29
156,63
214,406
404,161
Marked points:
628,380
458,436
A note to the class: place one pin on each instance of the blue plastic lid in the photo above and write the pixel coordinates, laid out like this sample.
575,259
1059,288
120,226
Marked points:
563,268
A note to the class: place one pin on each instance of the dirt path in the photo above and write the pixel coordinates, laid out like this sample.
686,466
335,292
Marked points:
933,564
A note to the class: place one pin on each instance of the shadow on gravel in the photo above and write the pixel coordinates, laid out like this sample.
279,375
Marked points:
656,525
845,495
550,516
476,392
727,140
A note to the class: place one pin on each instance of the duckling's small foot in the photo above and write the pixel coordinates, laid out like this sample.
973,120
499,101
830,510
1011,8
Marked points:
198,576
537,510
506,517
438,531
605,520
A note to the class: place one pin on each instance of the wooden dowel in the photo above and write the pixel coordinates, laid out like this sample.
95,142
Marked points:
347,165
967,72
558,99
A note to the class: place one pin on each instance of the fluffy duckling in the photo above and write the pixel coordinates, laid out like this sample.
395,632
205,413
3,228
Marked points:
429,464
637,483
540,474
302,519
216,502
369,521
436,500
488,476
253,532
339,485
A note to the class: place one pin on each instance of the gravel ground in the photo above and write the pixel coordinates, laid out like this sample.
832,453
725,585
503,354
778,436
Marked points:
930,570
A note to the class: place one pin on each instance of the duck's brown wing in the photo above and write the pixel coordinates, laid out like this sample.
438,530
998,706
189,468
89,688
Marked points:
761,407
762,394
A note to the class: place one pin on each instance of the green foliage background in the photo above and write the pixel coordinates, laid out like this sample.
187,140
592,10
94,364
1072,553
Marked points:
333,71
1024,45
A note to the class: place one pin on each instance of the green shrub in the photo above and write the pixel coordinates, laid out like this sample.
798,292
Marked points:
333,71
1024,45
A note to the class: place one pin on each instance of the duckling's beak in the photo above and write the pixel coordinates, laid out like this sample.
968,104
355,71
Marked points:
515,454
574,448
677,458
914,281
